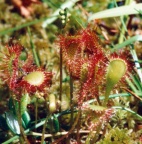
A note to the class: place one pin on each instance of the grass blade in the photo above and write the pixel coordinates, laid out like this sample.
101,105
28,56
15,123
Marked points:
118,11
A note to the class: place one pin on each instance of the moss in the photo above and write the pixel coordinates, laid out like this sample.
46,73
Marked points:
117,136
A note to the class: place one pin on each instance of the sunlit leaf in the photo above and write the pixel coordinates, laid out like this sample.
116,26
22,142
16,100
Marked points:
12,122
118,11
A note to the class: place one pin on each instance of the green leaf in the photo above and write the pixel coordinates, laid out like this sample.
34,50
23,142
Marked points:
137,82
12,122
127,42
23,103
53,124
97,108
118,11
23,56
56,123
6,31
26,119
116,70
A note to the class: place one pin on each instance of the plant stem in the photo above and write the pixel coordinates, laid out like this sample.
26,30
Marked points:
20,125
71,101
60,96
79,126
107,93
36,58
36,110
43,131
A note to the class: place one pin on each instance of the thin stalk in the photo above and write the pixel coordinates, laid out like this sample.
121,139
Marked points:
20,125
107,93
79,127
45,124
61,61
43,131
36,110
36,58
71,101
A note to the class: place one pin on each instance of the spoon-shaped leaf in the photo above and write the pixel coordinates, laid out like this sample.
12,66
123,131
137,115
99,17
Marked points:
116,70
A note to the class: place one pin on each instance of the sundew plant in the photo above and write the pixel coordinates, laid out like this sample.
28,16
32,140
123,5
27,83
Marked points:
70,72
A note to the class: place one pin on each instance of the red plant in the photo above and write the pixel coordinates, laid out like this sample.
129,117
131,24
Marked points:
23,76
84,57
103,120
9,64
87,62
35,80
125,56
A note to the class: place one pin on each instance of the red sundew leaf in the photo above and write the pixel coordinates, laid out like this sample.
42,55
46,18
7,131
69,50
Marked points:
90,41
10,64
83,56
35,80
